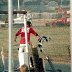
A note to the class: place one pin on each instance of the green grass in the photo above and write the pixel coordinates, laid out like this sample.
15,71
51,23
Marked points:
57,46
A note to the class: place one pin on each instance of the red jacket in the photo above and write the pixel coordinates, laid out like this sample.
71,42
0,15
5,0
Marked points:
21,32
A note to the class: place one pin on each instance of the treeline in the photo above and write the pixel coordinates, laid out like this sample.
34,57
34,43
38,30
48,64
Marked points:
32,2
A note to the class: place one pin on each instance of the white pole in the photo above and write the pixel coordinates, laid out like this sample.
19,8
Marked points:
71,30
18,5
61,2
2,55
25,29
26,56
9,29
18,8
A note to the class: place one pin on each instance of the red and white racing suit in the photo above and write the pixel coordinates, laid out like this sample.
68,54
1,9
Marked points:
21,33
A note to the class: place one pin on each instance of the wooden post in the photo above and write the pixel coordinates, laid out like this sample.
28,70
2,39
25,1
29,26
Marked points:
3,61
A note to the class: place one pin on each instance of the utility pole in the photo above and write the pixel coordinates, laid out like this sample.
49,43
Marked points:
10,13
18,8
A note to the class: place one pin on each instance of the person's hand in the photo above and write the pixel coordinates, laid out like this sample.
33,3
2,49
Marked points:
39,38
16,43
15,40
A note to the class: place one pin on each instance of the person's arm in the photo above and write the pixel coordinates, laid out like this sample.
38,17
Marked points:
15,38
18,33
35,33
38,36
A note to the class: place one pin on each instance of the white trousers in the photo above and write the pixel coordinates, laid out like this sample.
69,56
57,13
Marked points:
23,55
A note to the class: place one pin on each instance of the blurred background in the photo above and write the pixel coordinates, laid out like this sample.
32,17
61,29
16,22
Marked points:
50,18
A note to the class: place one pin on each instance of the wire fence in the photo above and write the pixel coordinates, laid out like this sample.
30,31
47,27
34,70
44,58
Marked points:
57,48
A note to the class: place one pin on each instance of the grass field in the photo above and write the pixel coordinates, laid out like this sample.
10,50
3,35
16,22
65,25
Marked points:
57,48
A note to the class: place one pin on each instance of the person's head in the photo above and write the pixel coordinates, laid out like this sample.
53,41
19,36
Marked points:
29,24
